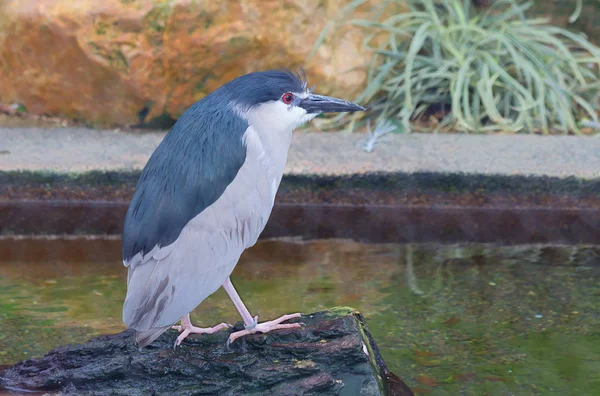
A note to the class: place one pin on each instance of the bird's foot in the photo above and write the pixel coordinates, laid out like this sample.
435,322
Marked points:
187,329
265,327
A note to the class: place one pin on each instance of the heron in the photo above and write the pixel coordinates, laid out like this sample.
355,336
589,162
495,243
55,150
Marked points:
205,195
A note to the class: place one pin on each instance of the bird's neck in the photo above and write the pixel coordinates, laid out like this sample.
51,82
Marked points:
275,144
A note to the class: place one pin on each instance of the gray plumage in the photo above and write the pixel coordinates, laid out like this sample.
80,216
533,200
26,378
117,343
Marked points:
188,172
208,136
206,194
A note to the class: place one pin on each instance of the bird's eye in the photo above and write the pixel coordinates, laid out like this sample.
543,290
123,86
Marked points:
287,98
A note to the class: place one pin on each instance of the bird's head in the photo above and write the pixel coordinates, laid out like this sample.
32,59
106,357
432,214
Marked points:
281,98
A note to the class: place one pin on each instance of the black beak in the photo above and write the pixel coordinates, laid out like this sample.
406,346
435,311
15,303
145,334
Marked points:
316,104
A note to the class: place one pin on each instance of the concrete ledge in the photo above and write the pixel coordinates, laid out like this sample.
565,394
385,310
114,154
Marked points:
79,150
418,188
119,185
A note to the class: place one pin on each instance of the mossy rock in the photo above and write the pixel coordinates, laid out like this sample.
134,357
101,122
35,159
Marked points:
333,353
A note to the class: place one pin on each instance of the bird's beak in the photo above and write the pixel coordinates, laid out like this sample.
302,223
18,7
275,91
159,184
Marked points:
315,104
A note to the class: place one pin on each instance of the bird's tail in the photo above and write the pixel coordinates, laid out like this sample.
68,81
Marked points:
144,338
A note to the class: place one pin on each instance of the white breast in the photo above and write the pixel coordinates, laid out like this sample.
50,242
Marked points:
257,152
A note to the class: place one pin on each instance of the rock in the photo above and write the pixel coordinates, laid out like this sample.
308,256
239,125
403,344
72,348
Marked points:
131,61
333,354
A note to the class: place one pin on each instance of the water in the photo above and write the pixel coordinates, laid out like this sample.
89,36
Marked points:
460,319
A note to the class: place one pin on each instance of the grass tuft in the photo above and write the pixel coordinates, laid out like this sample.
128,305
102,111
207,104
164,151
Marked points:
445,65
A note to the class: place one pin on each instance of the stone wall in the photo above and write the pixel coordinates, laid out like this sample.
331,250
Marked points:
132,61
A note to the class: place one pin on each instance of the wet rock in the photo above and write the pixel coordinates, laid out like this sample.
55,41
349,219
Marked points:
144,62
333,354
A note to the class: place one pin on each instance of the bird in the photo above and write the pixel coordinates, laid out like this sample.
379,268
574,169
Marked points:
204,197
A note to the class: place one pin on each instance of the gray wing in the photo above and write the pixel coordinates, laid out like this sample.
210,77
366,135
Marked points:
187,172
171,281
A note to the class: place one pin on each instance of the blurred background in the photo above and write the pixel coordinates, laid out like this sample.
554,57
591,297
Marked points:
460,215
142,63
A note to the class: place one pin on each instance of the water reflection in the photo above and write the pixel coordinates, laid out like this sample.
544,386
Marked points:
470,319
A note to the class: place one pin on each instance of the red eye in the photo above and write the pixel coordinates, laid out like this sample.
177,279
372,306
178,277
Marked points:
287,98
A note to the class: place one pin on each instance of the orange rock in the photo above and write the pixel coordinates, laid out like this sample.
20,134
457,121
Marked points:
105,61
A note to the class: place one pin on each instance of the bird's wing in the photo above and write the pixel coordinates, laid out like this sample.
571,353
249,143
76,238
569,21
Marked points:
173,269
188,172
161,291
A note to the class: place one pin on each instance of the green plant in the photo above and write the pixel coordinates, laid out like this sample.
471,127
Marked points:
475,70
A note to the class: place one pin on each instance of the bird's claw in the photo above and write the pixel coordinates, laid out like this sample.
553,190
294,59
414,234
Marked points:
265,327
187,330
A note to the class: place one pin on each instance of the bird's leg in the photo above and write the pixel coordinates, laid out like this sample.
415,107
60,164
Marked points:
251,324
187,328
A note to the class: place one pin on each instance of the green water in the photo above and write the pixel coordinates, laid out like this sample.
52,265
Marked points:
469,320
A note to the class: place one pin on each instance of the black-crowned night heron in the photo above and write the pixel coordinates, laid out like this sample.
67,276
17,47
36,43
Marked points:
205,196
